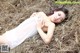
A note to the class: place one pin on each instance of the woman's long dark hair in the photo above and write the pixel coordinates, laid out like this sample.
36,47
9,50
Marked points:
59,9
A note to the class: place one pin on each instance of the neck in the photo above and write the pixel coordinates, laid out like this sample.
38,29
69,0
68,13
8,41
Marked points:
51,18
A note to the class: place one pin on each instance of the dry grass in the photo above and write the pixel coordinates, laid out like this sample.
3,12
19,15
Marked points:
66,37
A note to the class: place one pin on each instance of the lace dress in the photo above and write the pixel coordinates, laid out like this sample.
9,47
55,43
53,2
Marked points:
25,30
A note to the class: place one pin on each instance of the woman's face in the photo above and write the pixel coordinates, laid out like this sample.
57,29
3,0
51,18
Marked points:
58,16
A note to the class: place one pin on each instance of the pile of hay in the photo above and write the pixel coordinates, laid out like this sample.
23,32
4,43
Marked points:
66,36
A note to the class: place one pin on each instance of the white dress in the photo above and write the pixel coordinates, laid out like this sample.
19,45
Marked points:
25,30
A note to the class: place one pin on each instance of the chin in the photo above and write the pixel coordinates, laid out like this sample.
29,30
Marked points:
57,22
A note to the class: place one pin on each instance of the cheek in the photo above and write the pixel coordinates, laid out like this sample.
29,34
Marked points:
58,21
52,19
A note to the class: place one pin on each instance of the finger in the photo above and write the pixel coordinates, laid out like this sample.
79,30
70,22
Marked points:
40,21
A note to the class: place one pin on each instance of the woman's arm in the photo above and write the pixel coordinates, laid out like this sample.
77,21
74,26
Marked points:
47,37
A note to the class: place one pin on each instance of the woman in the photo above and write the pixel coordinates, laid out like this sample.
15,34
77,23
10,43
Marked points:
38,22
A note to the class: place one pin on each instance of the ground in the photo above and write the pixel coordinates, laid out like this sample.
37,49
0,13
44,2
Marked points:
66,37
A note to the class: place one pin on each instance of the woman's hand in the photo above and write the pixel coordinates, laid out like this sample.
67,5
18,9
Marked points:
40,23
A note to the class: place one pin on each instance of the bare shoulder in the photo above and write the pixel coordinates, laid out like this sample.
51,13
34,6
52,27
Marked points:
42,13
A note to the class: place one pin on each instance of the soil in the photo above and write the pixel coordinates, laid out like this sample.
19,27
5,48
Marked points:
66,37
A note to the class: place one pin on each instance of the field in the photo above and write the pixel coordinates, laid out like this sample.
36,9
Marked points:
66,37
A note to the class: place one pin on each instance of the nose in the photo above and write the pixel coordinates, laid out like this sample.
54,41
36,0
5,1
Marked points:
58,17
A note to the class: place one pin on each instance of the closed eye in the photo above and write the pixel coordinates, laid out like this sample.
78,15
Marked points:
59,14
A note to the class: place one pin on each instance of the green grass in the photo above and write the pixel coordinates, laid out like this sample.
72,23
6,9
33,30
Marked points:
66,2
